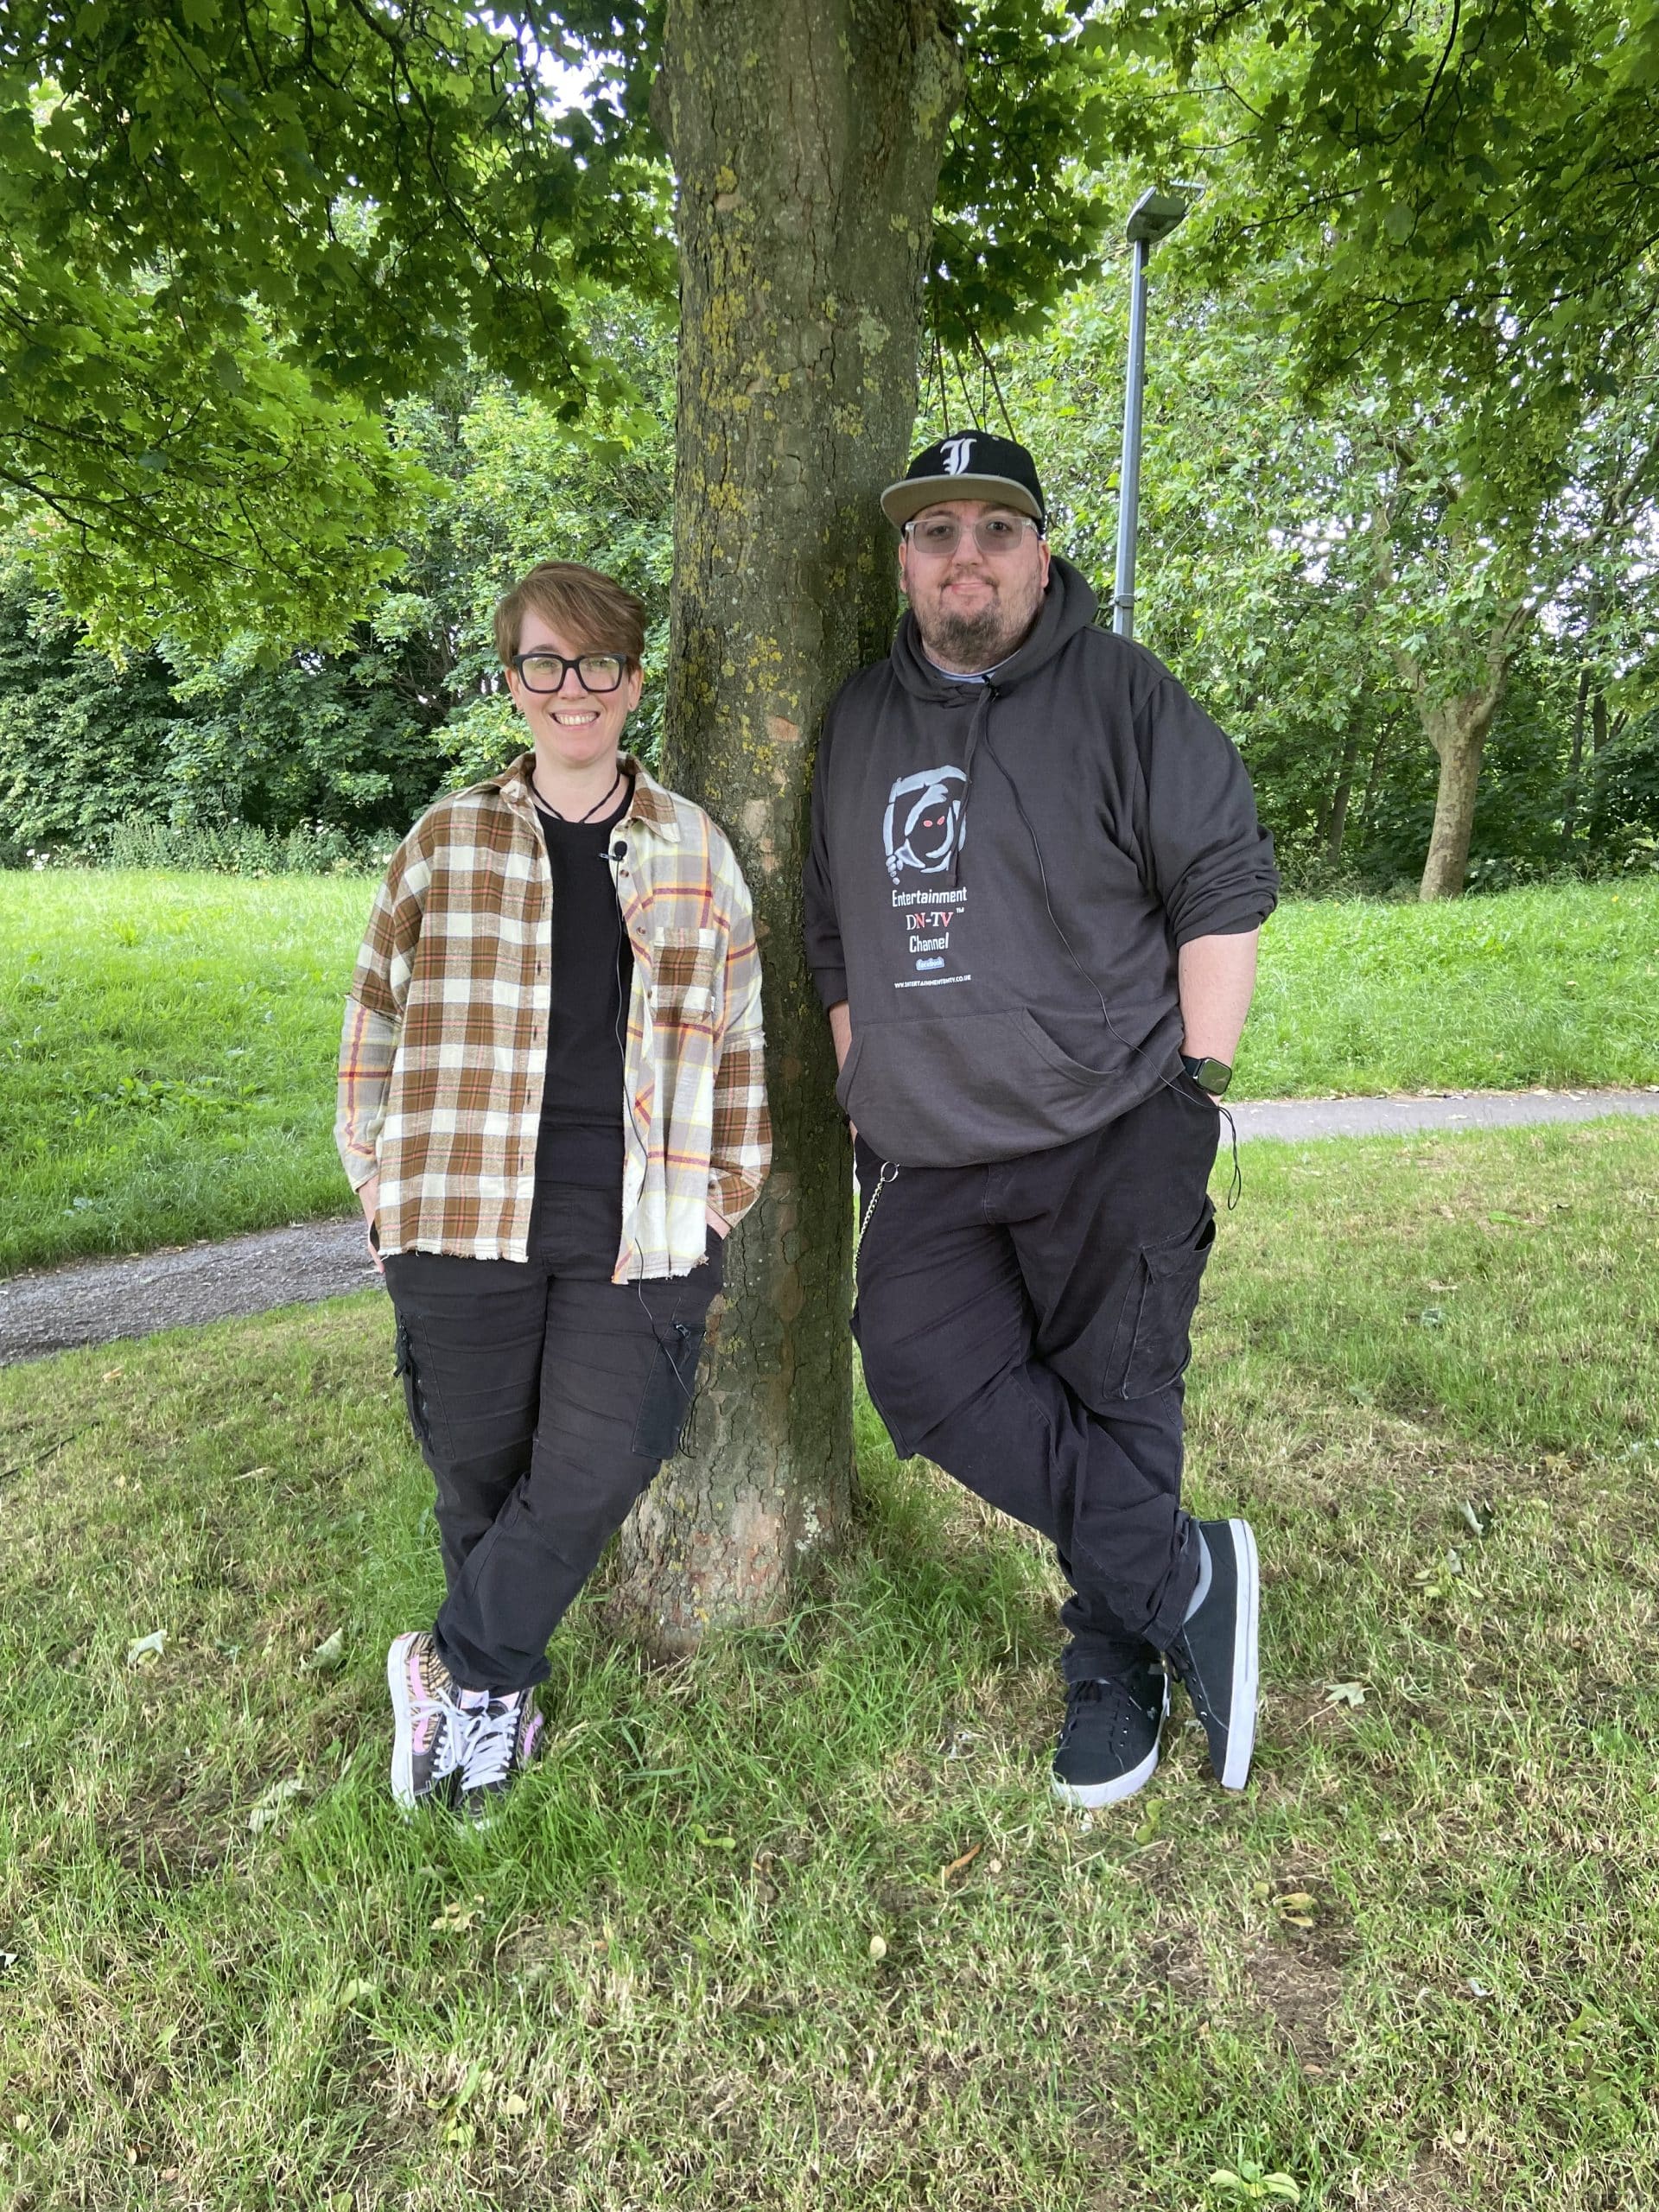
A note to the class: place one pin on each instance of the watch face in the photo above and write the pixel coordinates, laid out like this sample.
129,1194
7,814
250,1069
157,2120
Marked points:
1211,1075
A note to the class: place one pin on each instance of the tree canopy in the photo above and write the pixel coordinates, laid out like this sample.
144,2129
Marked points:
236,236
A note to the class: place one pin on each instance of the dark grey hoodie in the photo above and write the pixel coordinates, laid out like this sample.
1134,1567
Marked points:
977,1035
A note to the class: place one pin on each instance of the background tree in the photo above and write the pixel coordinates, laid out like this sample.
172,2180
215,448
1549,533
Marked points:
1460,200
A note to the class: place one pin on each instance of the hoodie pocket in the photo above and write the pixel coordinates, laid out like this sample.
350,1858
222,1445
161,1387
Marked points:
958,1089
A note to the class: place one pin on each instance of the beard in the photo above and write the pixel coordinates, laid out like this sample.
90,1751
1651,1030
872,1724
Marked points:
970,642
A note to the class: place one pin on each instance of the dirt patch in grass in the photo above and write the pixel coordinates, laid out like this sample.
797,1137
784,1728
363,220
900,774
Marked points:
1299,1987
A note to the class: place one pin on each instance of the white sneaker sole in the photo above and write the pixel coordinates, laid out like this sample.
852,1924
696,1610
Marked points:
403,1739
1089,1796
1241,1718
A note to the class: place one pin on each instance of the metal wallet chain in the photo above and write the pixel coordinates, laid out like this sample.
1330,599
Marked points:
889,1174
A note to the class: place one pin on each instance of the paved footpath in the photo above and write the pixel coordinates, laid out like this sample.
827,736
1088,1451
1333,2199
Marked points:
96,1302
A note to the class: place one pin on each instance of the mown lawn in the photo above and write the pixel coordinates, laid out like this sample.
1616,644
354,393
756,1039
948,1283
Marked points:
168,1042
167,1050
795,1925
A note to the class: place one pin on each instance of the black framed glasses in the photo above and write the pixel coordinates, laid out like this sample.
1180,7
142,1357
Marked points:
545,671
938,535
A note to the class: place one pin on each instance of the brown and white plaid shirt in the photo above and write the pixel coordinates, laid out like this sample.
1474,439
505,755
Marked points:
444,1049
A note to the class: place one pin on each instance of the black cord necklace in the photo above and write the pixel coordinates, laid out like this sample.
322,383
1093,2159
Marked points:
580,818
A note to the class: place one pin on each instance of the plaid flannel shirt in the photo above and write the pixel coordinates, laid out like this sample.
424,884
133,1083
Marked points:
444,1049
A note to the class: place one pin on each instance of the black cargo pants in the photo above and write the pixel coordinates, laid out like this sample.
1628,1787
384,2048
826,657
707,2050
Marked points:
1025,1325
543,1397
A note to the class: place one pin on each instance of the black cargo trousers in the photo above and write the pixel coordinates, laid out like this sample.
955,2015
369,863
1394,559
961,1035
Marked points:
1025,1325
543,1397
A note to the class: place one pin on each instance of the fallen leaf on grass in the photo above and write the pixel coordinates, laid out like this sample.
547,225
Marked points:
144,1649
1344,1694
958,1865
274,1803
1295,1908
328,1655
457,1916
513,2107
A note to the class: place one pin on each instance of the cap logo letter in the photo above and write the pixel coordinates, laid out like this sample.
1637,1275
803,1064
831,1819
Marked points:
956,452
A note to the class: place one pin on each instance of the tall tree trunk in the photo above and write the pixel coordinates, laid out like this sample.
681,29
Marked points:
1374,778
1601,763
1333,816
1457,729
1574,767
806,137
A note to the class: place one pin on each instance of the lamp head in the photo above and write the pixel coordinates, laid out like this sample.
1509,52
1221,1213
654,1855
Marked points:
1153,216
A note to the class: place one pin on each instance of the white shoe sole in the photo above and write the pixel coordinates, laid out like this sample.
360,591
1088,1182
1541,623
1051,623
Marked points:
403,1739
1241,1720
1089,1796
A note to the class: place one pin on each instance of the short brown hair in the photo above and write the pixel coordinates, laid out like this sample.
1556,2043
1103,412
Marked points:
590,612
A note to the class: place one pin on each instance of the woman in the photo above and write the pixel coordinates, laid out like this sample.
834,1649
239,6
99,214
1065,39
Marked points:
552,1108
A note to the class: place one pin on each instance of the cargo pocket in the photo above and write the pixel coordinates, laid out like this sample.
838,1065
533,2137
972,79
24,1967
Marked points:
1154,1343
415,1397
670,1389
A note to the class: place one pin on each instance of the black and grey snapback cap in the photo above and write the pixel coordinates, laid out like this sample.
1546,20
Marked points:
972,464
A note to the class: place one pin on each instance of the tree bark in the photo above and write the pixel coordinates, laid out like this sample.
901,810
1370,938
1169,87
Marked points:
1333,816
1457,729
806,137
1574,766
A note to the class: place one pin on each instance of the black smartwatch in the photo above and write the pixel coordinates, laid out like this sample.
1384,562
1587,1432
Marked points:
1211,1076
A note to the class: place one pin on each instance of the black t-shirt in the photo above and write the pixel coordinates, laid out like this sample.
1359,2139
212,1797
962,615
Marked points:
583,1105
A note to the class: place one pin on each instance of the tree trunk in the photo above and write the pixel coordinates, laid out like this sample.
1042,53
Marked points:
1574,767
806,137
1373,779
1457,729
1333,816
1600,762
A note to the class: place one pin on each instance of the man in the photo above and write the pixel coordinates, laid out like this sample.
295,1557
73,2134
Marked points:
1032,901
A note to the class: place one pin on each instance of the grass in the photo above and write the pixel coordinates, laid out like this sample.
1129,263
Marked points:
168,1042
1550,987
795,1925
167,1048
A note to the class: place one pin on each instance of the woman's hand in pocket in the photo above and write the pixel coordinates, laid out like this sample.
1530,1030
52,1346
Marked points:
368,1197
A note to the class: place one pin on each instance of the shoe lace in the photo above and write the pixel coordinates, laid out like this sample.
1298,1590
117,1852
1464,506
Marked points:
438,1725
1099,1691
490,1733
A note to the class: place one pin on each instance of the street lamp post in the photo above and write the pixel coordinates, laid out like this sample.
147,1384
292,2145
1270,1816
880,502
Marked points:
1153,217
